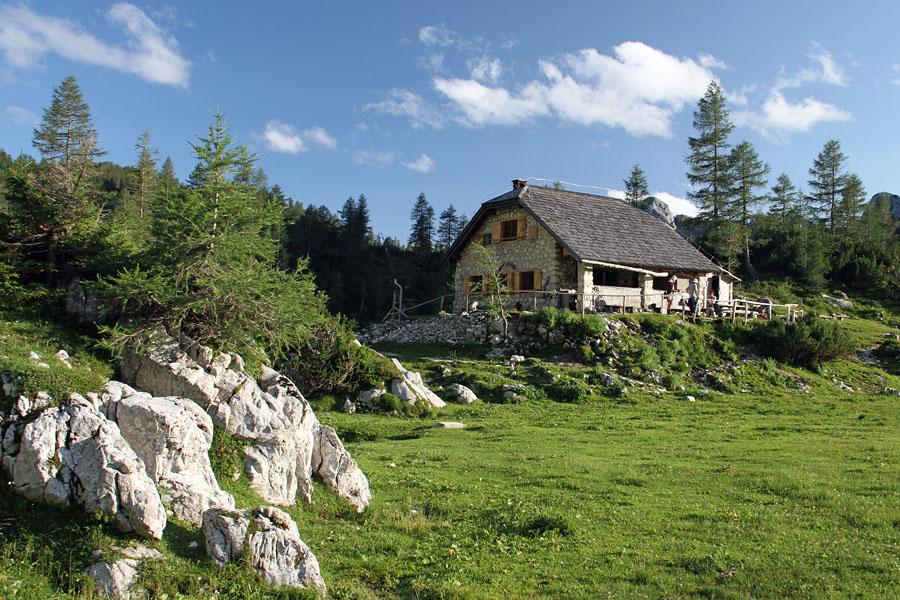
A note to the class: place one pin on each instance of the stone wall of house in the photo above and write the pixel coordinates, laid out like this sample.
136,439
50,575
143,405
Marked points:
537,251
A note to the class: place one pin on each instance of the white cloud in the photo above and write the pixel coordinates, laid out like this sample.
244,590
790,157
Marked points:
484,69
640,90
379,159
282,137
403,103
779,117
481,105
436,35
25,37
896,78
21,116
320,137
423,164
825,71
708,61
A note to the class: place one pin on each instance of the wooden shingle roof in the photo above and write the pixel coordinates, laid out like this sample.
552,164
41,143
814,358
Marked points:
598,228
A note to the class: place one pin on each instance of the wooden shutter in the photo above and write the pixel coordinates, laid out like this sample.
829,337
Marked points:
537,280
515,282
467,285
498,232
481,239
533,232
520,229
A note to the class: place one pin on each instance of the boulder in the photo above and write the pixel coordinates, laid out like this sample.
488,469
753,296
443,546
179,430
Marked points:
338,470
413,387
463,394
74,455
369,396
280,466
172,436
449,425
841,302
117,579
274,547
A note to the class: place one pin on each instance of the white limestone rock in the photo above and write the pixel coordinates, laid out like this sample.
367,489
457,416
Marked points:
279,467
368,397
463,394
173,436
278,553
338,470
275,549
74,455
117,579
412,384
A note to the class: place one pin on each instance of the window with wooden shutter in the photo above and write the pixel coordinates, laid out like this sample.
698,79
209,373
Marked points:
497,231
526,280
537,280
520,229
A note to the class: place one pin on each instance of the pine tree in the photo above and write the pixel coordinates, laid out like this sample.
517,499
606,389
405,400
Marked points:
448,226
827,182
708,159
636,186
145,177
422,231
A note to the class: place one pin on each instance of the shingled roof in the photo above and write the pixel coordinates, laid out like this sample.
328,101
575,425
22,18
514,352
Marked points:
598,228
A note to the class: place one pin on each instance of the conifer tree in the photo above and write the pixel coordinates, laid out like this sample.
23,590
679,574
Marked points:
448,227
168,181
636,186
852,203
422,231
827,183
145,172
708,158
748,173
784,199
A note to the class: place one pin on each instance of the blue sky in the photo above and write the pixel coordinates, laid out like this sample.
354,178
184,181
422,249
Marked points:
455,99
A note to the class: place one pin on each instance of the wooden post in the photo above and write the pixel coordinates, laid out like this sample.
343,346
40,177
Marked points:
746,311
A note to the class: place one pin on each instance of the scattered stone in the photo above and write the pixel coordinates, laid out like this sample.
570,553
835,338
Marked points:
36,359
118,579
891,391
841,302
349,407
448,425
63,357
690,399
369,396
513,396
463,394
413,387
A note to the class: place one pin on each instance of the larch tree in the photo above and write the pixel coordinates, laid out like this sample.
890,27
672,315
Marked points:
708,159
784,199
636,186
168,183
145,177
827,182
852,203
748,173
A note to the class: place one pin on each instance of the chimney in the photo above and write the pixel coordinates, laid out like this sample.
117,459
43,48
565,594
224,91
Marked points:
519,183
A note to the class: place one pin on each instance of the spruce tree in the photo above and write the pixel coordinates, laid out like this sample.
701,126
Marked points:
167,179
422,231
827,183
448,225
852,203
636,186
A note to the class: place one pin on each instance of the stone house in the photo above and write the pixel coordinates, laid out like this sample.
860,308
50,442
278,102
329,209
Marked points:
568,249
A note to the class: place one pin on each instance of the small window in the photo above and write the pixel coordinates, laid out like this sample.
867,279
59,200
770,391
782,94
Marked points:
473,284
509,230
487,239
527,278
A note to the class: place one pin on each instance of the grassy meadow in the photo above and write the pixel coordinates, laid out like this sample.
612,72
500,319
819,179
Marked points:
776,483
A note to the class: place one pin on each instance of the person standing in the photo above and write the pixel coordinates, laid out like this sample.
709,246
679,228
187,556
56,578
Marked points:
671,288
693,295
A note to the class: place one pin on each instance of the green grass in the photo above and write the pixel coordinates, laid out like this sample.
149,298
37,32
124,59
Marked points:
758,489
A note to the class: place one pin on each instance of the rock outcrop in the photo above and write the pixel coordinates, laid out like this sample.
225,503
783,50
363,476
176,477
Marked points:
75,455
411,388
285,434
172,436
659,209
463,394
273,544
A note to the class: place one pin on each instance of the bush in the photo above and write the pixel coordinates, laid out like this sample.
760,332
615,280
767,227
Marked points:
572,391
393,404
807,343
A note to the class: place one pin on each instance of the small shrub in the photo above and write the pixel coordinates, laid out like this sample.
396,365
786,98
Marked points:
807,343
392,404
586,353
544,524
572,391
592,326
